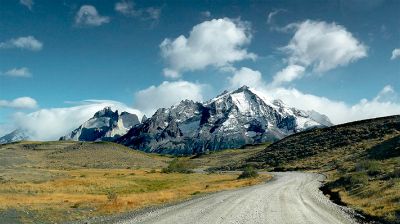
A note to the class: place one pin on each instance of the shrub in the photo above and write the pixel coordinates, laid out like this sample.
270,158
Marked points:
395,173
248,172
177,166
371,167
112,196
357,179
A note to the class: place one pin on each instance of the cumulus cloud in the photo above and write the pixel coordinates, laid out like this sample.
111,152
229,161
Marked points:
338,111
395,53
218,42
28,43
52,123
320,47
88,16
323,46
19,103
288,74
167,94
385,103
387,94
127,8
27,3
245,76
18,72
6,129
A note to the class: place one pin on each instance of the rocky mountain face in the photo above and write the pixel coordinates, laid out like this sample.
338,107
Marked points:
105,125
230,120
14,136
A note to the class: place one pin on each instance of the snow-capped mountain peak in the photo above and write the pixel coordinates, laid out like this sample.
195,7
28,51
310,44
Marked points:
14,136
105,124
229,120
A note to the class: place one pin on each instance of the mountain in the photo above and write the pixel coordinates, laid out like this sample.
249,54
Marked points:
105,125
14,136
230,120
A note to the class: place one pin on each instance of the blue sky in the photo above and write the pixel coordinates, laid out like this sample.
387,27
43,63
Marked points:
111,52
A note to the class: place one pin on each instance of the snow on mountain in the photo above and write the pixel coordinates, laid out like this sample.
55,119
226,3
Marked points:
14,136
104,125
230,120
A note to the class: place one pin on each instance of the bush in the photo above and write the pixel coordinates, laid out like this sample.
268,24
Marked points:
177,166
112,196
371,167
395,173
248,172
357,179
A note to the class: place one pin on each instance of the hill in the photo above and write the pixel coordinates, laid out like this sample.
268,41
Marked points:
69,154
361,160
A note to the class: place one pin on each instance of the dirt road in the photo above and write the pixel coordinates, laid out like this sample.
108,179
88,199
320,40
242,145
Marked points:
291,197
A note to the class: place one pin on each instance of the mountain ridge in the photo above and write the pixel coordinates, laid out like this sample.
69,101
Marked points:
230,120
105,125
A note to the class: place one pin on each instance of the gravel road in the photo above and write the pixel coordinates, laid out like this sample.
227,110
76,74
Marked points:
291,197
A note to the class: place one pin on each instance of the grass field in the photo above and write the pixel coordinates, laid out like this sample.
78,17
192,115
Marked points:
61,181
226,159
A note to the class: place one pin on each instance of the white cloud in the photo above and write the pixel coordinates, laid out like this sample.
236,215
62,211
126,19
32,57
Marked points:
395,53
27,3
127,8
167,94
387,94
288,74
18,72
338,111
6,129
272,14
323,46
385,103
19,103
28,43
245,76
320,47
218,42
52,123
88,16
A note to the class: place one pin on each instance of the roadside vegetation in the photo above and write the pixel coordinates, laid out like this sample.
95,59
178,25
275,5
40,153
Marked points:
248,172
178,165
54,182
361,161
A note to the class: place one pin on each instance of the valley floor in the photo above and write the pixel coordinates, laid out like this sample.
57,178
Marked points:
54,182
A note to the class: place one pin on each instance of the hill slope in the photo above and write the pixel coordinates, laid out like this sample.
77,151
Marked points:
69,154
361,160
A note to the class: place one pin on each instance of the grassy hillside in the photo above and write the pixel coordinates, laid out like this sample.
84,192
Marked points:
69,155
361,160
226,159
53,182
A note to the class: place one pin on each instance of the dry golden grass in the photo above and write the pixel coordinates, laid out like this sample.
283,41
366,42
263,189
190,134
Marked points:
379,196
83,193
378,199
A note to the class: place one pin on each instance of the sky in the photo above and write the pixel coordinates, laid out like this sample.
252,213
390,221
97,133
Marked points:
60,61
